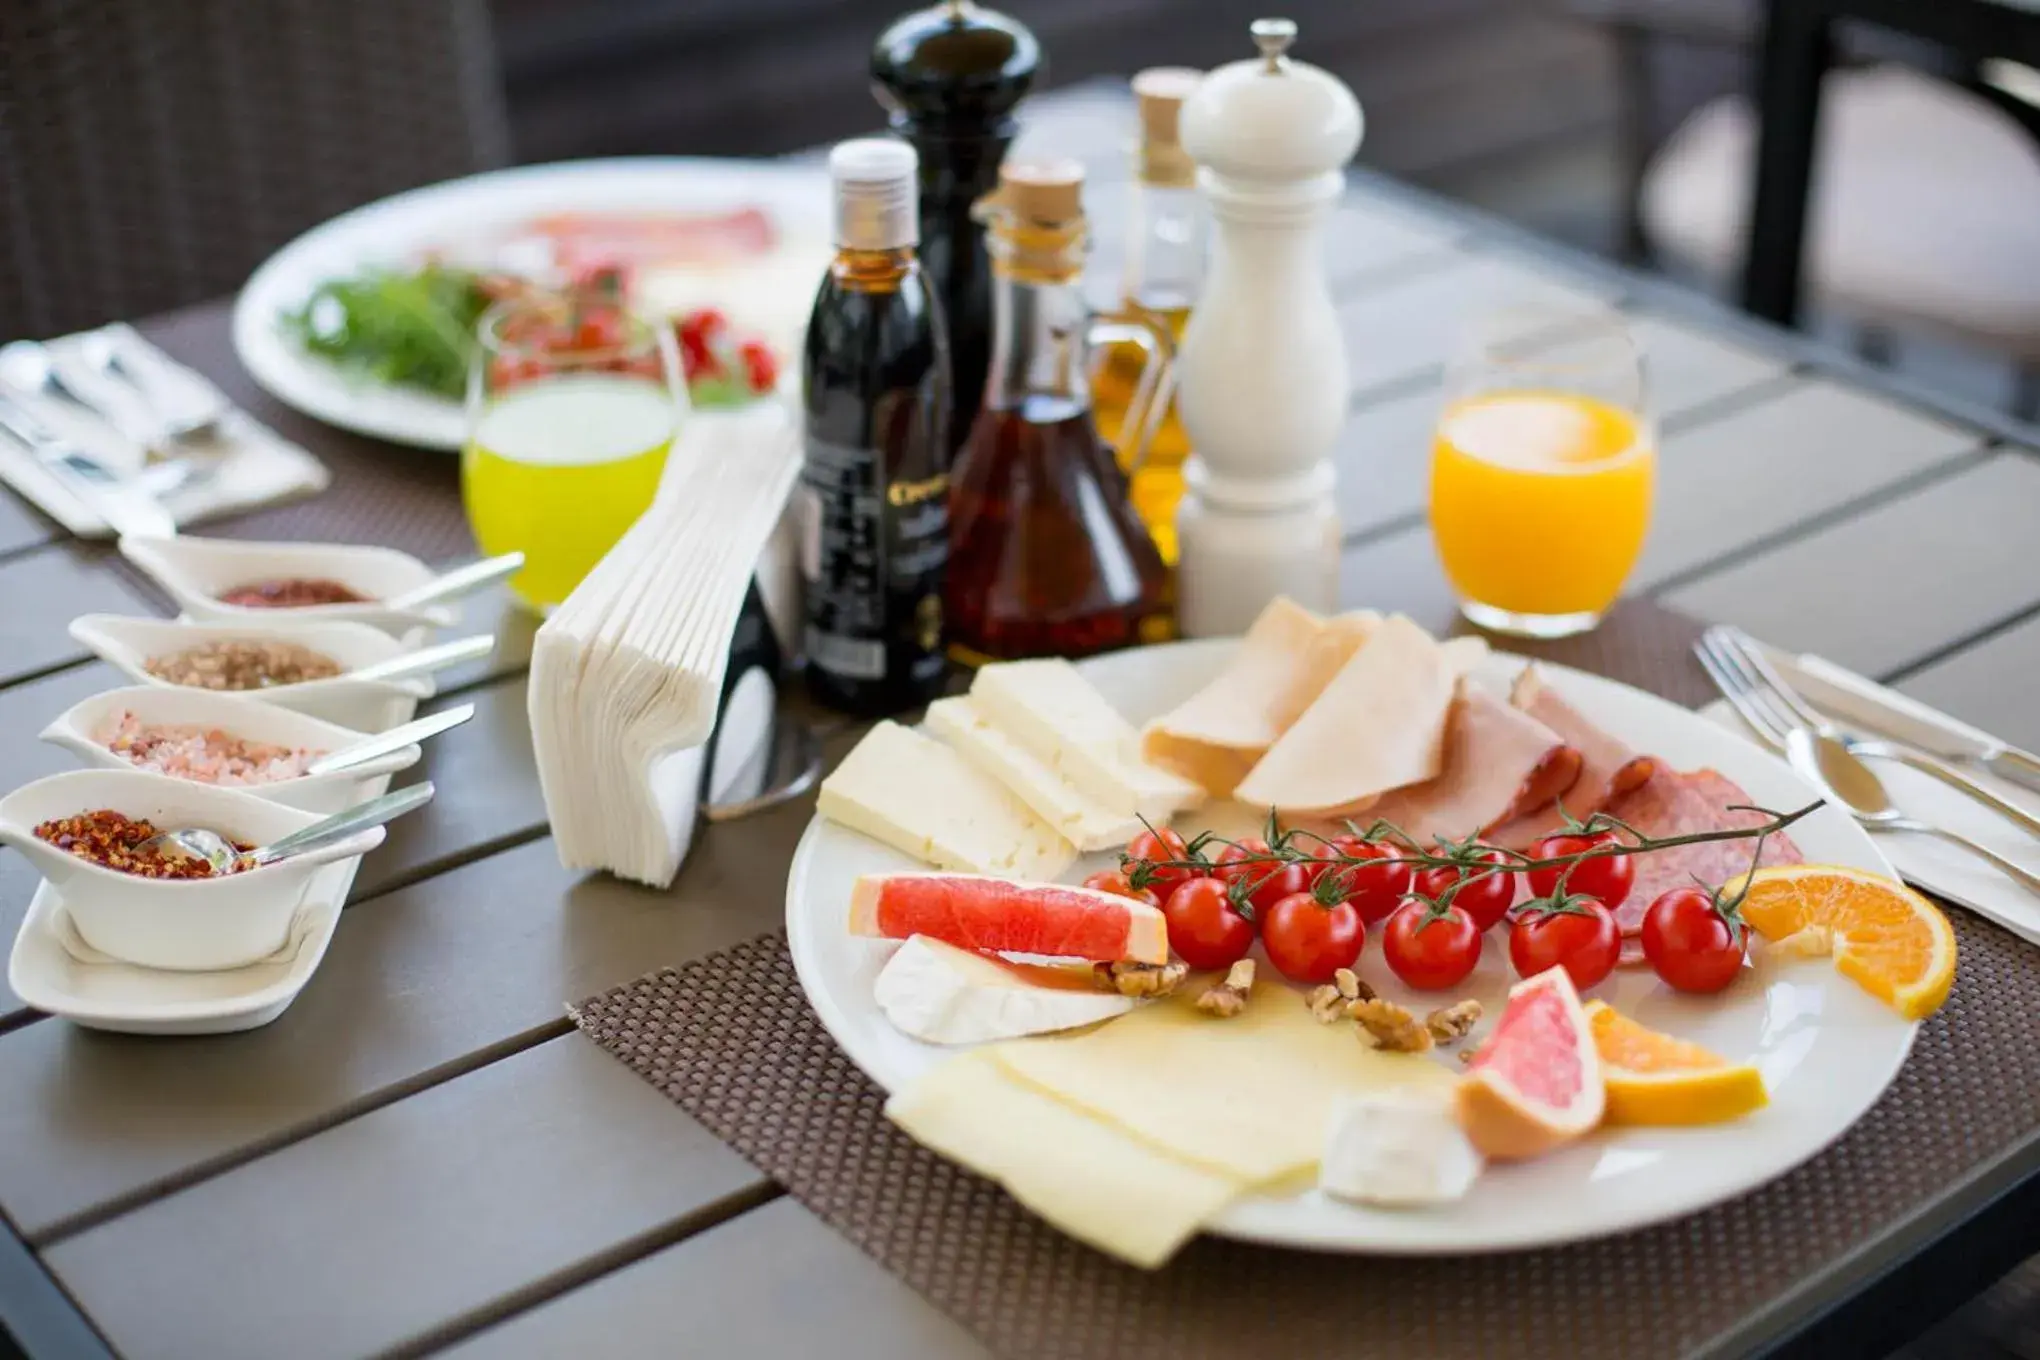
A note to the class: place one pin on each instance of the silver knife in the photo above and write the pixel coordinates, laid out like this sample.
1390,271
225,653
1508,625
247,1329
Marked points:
126,508
1899,715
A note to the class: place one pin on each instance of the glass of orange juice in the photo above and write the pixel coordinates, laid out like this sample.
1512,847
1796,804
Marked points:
1542,472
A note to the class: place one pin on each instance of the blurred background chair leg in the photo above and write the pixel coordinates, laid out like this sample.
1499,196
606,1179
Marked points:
2026,390
1794,57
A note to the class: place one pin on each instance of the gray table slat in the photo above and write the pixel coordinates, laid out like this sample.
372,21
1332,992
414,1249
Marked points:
543,1163
1989,685
47,588
1399,573
1685,368
22,525
1897,584
1726,484
775,1282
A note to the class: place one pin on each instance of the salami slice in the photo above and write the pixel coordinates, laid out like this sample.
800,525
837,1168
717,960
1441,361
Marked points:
1671,803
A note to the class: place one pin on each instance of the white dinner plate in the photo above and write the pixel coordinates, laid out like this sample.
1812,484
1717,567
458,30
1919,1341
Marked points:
397,231
1827,1049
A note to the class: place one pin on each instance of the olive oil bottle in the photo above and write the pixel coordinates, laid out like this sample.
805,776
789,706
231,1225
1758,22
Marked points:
874,487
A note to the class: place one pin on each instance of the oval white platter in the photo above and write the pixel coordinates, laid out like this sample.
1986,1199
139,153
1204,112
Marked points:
1827,1050
396,231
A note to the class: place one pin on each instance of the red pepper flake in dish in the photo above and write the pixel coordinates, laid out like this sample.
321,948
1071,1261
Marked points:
292,592
237,664
112,840
205,755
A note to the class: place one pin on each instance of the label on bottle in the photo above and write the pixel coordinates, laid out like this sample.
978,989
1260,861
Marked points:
872,556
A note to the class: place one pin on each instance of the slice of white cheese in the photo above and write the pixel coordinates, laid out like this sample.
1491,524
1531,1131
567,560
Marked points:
1398,1148
1082,819
1053,711
914,794
940,994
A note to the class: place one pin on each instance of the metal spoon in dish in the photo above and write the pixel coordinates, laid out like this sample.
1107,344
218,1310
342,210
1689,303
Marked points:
396,739
425,660
1850,784
460,581
198,842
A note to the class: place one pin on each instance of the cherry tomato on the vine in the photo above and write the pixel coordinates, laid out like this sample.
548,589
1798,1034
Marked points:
1693,944
1206,928
1430,950
1115,881
1580,937
1265,881
1485,898
1308,940
1154,847
1605,878
1375,890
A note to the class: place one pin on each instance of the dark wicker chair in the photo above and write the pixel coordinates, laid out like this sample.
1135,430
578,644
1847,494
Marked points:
151,154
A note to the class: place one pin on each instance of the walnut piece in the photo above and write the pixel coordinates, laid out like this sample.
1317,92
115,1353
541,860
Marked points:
1141,979
1329,1001
1449,1024
1385,1025
1228,998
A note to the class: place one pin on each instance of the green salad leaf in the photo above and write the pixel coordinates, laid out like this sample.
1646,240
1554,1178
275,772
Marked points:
412,328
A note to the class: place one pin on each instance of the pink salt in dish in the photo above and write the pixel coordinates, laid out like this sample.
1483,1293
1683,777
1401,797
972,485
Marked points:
205,755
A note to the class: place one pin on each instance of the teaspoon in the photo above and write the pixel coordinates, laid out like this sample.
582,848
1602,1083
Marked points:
396,739
199,842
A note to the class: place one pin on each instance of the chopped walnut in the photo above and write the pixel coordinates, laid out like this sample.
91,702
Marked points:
1228,998
1385,1025
1449,1024
1807,942
1141,979
1329,1001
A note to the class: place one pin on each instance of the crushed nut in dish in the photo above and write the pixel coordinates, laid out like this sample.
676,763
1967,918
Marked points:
240,663
292,592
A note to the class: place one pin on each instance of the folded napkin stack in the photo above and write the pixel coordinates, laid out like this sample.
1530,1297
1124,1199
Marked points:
115,419
627,675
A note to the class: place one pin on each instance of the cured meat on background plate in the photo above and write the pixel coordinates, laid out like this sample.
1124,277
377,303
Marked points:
1499,762
1673,804
1609,768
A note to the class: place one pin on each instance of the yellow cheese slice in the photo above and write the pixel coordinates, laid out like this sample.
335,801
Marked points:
1088,1178
1379,725
1283,664
1247,1098
1047,706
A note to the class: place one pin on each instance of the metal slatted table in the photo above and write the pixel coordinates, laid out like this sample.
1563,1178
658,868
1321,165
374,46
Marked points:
422,1157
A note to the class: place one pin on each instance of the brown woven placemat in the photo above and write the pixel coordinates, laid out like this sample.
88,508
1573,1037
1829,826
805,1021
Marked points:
731,1040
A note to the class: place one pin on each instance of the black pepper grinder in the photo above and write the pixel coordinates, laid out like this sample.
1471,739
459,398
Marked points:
950,77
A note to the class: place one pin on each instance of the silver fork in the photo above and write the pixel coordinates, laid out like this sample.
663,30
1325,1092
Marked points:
1847,781
1736,643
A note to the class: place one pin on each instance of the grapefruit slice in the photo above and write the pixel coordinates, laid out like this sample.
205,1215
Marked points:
1536,1083
972,911
1657,1078
1888,940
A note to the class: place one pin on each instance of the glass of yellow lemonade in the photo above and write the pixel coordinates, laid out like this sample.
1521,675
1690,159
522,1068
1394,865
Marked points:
1542,472
569,421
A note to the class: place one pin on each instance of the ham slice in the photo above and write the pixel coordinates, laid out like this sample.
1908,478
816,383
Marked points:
1608,768
1378,725
1498,762
1673,804
1285,661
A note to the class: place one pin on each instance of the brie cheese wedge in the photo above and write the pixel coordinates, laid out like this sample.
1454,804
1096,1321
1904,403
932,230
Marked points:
1398,1148
940,994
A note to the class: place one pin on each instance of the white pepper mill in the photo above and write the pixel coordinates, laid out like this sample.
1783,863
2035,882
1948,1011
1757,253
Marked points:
1262,369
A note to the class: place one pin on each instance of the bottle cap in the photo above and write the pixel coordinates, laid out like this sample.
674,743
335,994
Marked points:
1160,92
1271,118
876,207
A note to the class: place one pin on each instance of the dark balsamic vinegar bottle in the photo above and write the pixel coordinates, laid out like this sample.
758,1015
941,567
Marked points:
950,77
874,485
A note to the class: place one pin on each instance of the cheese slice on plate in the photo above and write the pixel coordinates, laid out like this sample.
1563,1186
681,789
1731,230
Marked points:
1052,710
940,994
1082,819
1283,663
1379,725
914,794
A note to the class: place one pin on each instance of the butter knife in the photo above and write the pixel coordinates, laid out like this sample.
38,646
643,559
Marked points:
125,506
1899,715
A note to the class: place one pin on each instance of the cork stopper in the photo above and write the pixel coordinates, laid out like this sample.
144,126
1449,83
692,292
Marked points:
1036,220
1159,93
1046,192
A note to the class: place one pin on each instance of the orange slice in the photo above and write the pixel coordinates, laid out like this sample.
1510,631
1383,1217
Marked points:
1536,1082
1888,940
1656,1078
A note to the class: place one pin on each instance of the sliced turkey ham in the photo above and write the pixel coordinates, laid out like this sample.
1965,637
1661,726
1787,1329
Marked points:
1608,768
1282,665
1499,761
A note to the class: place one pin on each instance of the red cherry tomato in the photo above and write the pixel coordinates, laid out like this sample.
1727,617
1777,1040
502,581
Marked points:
1583,939
1308,940
1690,943
1115,881
1375,890
761,366
1485,899
1154,847
1264,881
1205,928
1430,951
1605,878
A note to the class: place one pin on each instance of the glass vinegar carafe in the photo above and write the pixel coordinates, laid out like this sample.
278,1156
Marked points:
1047,555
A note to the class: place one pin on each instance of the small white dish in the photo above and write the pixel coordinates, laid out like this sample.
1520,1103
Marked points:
195,572
55,971
181,924
79,730
129,643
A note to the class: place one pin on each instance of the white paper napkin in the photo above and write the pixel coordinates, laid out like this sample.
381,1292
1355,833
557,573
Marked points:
255,465
1924,861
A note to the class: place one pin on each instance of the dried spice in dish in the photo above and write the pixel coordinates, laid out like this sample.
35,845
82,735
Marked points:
205,755
113,840
292,592
238,663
